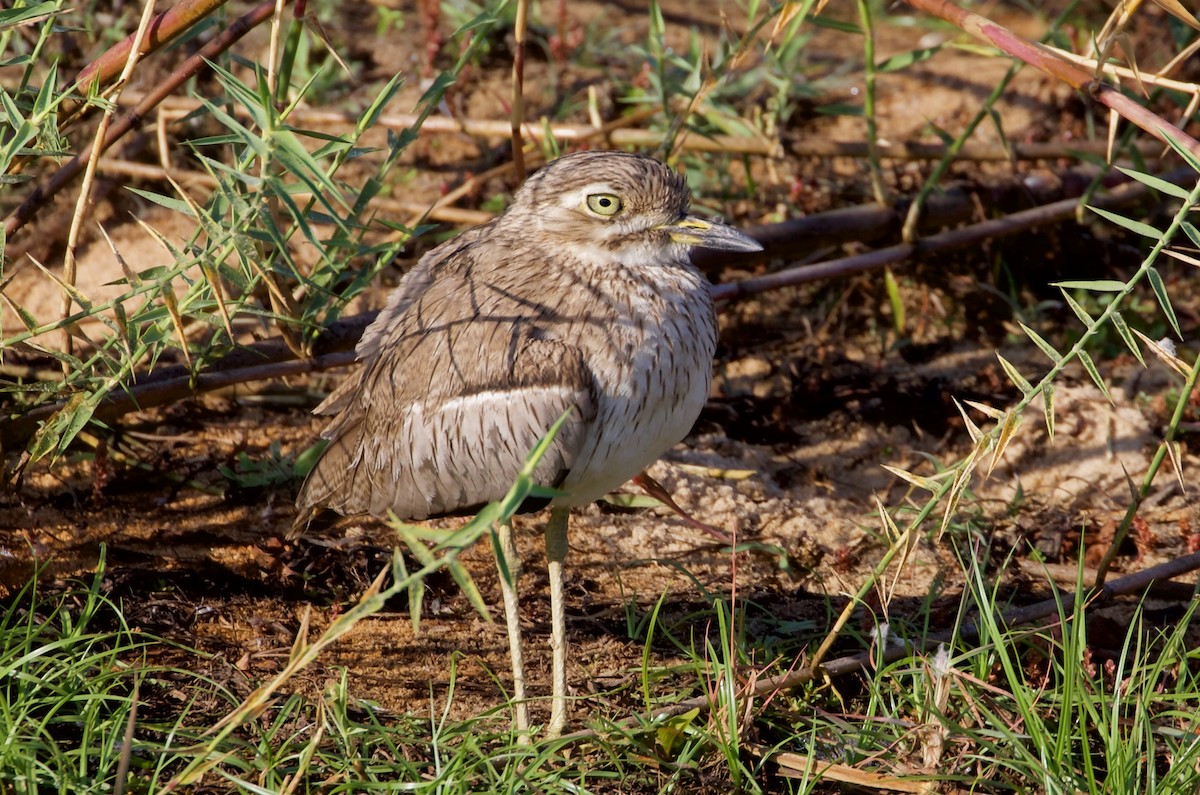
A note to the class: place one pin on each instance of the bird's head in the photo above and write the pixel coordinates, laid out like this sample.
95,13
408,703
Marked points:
615,207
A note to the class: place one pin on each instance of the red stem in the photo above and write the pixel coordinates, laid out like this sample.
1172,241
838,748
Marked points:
1075,76
164,28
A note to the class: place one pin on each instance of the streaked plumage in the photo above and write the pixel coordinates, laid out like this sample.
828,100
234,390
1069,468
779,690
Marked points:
496,333
581,296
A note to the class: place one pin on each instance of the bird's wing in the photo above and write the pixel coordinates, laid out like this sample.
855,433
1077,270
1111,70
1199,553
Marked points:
412,286
458,388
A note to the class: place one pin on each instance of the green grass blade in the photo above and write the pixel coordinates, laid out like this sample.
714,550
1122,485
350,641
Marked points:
1094,285
1137,227
1094,373
1081,313
1044,346
1048,409
1164,301
1185,152
1014,375
1155,183
1127,336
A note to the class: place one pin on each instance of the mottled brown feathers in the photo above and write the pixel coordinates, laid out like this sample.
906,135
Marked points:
495,334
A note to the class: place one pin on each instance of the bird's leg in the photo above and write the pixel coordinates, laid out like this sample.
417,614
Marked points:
512,617
556,552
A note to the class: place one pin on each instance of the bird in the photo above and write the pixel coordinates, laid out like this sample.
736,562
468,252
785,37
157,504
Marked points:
580,300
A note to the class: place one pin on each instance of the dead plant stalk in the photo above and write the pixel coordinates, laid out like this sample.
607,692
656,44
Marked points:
82,204
518,89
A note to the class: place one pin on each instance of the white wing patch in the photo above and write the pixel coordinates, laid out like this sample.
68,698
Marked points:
466,451
482,402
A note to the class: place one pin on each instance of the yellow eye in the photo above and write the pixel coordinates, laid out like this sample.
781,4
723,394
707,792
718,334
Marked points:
604,204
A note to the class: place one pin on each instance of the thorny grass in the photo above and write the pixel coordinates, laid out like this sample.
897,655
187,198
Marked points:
276,185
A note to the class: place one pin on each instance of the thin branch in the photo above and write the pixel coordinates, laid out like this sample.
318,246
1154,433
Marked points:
979,152
616,134
518,90
874,169
496,129
945,241
164,29
438,212
937,174
798,238
1117,71
266,359
83,203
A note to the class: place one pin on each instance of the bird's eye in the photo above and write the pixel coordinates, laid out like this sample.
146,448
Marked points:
604,204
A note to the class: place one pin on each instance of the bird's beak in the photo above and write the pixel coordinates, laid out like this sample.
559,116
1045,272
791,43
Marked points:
693,231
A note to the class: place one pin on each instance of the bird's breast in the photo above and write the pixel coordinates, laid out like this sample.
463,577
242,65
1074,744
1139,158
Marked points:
652,363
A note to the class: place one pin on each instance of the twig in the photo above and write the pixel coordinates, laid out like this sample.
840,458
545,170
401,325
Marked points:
472,183
164,29
1143,78
518,90
1116,71
945,241
874,169
1068,574
267,359
968,633
82,203
616,135
918,150
866,223
273,52
934,180
453,215
496,129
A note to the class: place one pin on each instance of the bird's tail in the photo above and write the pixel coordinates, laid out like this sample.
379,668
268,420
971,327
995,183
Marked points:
330,483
